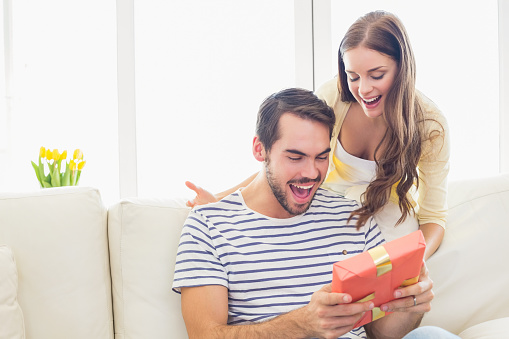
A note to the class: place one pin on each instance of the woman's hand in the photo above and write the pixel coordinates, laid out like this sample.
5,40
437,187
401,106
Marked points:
414,298
203,197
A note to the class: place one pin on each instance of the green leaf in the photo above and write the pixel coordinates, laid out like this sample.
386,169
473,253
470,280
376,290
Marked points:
55,178
66,178
74,174
46,184
41,169
78,178
51,167
37,172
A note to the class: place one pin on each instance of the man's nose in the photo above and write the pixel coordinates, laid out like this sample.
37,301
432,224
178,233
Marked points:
310,170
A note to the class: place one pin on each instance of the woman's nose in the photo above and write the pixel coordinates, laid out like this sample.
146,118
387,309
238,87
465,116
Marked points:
365,87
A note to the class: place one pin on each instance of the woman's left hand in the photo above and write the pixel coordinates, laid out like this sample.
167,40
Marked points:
415,298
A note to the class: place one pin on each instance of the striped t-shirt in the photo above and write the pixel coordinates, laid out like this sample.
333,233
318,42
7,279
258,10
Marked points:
270,266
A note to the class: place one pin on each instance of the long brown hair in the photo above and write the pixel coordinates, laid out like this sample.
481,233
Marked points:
398,158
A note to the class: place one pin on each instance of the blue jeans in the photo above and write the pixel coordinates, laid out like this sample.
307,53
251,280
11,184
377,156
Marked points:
428,332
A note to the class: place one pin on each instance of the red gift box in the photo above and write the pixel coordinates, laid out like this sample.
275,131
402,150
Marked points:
377,273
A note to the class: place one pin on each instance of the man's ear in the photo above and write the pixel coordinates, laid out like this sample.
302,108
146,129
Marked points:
258,149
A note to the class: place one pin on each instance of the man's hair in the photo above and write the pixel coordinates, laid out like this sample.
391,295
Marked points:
300,102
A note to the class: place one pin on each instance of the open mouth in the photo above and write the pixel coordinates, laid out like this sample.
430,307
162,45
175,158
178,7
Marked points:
372,101
301,191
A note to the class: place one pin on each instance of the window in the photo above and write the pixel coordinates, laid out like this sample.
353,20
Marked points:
64,91
202,70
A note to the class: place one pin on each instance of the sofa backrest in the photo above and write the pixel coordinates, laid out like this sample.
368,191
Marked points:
143,237
469,270
59,239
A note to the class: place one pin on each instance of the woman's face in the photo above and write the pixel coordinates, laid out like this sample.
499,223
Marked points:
370,76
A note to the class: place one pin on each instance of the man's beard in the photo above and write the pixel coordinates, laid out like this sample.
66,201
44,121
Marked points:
280,194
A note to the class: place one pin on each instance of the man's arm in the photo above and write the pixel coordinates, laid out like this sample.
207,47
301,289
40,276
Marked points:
328,315
406,316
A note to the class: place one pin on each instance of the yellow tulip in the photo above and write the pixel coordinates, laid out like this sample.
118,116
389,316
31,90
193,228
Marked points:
81,165
72,165
49,154
78,155
42,152
56,155
63,156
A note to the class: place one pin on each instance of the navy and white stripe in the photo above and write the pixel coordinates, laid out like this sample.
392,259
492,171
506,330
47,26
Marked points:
270,266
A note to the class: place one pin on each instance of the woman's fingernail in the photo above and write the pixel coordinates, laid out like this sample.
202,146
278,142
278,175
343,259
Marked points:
397,294
384,308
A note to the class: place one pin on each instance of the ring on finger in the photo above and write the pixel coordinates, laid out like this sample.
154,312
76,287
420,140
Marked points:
415,301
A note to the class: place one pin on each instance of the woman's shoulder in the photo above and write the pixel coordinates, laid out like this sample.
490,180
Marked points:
430,110
436,129
329,91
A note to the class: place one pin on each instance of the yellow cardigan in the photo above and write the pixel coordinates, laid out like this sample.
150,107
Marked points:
433,167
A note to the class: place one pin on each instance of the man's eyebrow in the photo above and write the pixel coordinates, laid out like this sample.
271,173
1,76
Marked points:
296,152
326,151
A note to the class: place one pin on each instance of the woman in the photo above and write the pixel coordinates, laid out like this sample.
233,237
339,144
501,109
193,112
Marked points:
390,145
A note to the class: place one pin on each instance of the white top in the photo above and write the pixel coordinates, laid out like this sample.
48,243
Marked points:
356,174
270,266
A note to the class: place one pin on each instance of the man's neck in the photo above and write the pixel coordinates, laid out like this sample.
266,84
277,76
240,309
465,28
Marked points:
258,196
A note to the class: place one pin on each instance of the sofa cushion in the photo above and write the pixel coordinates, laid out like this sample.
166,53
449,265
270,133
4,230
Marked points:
493,329
469,270
12,326
144,236
59,239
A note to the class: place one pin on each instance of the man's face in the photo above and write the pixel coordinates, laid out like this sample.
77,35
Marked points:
297,163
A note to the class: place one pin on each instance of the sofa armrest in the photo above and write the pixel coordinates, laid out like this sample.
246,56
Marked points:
59,239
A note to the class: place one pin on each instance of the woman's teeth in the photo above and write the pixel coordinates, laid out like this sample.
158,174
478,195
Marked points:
369,101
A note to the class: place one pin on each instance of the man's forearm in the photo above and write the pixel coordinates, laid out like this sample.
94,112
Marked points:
282,326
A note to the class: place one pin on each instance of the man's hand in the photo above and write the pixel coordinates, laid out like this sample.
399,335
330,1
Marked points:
330,315
414,298
203,196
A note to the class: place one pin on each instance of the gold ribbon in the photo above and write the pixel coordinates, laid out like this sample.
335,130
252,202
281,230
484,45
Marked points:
383,265
367,298
376,313
410,281
381,259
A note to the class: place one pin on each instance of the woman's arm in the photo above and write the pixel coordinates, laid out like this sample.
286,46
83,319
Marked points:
204,197
433,172
433,234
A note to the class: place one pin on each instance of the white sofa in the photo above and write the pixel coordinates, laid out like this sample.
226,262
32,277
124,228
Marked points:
72,268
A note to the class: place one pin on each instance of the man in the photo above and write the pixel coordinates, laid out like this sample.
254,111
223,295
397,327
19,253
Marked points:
258,263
